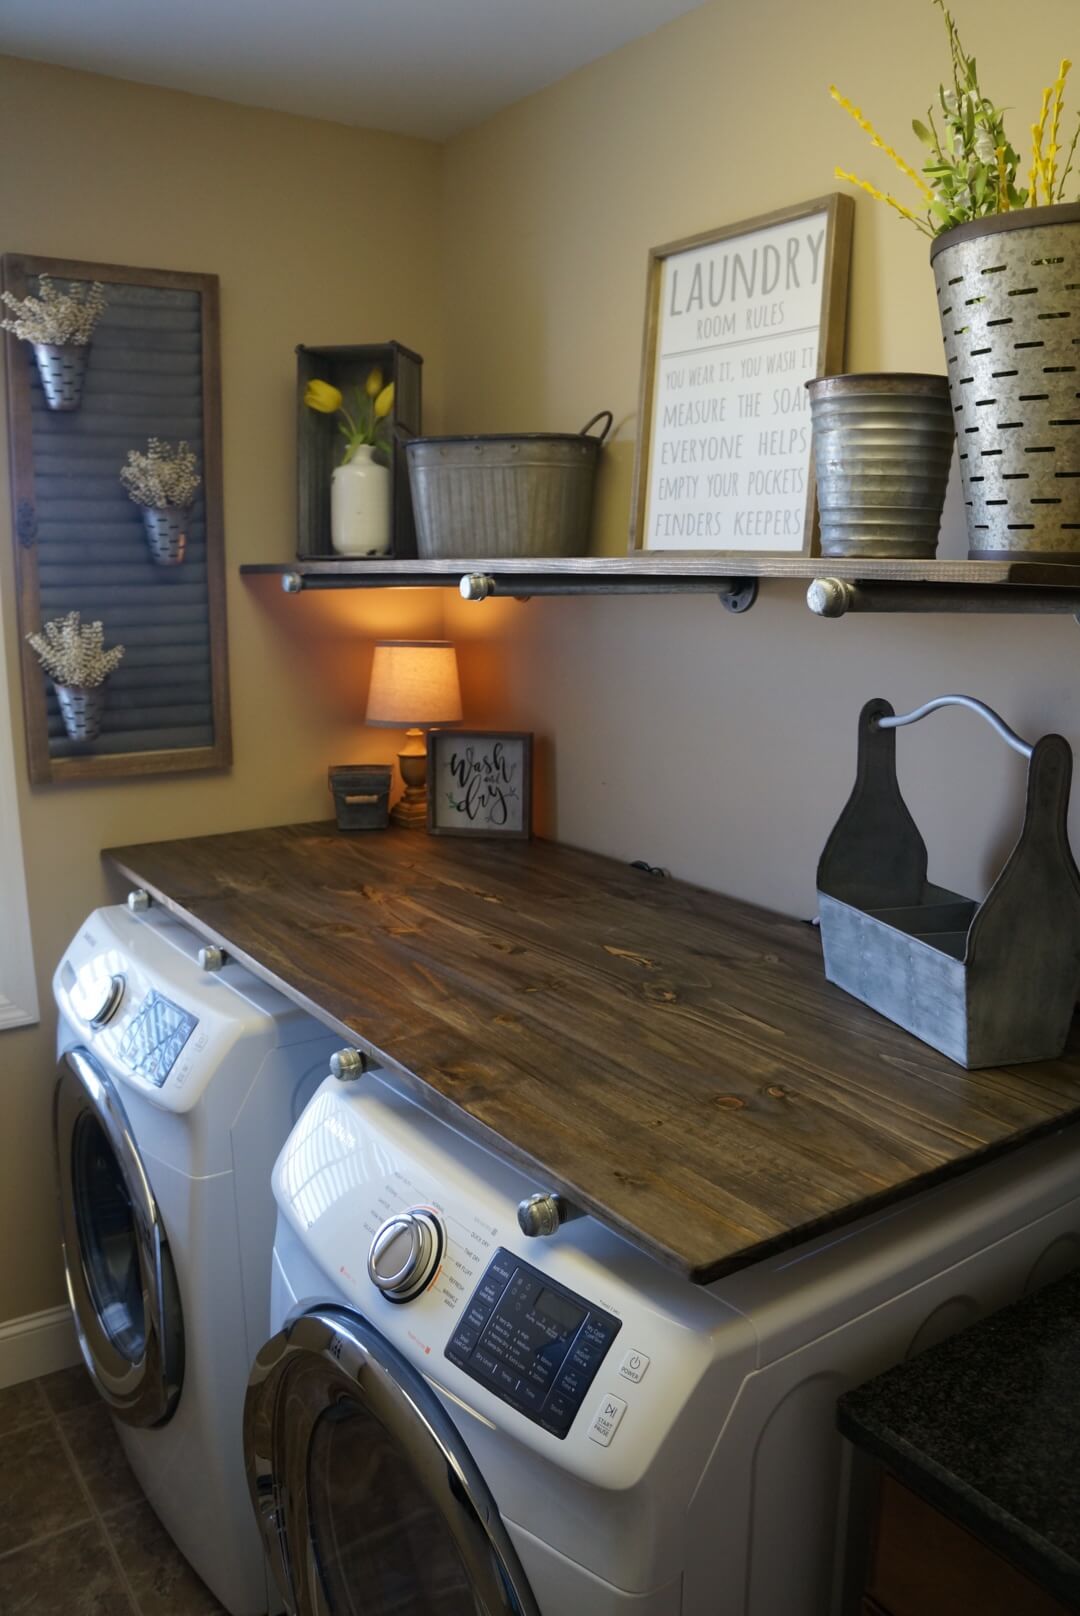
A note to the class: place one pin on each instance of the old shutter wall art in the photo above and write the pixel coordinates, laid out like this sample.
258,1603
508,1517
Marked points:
153,371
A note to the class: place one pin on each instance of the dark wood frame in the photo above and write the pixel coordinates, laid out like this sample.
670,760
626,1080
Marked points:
523,735
17,269
840,211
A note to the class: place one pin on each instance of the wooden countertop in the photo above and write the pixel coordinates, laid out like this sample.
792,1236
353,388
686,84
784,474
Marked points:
672,1060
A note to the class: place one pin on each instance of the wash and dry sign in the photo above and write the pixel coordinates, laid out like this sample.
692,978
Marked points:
737,321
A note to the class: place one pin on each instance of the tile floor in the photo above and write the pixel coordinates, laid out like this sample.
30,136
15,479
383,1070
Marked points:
77,1538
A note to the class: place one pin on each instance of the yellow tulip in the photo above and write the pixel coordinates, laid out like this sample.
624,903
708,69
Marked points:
385,402
374,384
323,397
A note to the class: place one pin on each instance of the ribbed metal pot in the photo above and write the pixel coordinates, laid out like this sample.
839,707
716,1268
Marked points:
1009,299
882,451
167,533
62,368
83,711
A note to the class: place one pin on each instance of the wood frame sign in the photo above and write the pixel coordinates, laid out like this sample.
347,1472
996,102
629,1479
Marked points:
152,369
480,783
737,320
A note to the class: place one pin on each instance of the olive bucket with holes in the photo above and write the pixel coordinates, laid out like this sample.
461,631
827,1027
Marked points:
1008,291
530,494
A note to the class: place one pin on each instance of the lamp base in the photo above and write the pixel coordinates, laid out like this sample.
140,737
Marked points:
410,810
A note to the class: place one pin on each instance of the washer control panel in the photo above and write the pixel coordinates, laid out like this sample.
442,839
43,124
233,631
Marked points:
154,1037
533,1343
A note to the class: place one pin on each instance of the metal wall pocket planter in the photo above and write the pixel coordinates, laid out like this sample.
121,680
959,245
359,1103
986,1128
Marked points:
166,533
62,369
988,984
1009,297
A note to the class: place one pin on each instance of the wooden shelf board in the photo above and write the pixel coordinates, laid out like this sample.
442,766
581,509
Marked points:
670,568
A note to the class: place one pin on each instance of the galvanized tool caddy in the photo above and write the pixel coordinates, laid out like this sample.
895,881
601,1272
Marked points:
988,984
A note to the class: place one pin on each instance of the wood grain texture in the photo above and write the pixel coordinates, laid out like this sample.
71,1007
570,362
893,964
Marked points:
671,1060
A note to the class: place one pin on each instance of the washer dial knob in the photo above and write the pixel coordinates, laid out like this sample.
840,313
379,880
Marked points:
97,998
405,1253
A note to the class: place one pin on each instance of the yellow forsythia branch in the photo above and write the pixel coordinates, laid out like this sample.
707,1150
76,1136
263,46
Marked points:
883,196
1038,167
865,124
1055,124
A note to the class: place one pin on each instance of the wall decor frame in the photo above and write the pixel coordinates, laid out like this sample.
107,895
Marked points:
480,783
737,320
154,370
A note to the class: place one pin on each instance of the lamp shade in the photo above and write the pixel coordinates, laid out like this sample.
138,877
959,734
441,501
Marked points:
413,683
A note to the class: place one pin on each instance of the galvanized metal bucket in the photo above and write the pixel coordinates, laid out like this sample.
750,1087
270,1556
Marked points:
882,450
62,368
82,710
167,533
524,495
1009,298
988,984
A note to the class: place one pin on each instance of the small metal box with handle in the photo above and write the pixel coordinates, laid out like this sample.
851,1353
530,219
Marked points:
988,983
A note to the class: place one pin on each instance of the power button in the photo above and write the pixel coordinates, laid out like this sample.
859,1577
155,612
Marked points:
634,1366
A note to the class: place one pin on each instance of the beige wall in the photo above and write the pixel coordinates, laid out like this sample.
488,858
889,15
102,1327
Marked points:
319,234
720,747
723,747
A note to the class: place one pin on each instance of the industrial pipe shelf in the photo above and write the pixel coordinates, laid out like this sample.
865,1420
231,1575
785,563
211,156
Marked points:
837,586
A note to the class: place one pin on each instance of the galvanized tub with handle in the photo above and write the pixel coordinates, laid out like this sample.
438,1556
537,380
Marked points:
529,494
988,984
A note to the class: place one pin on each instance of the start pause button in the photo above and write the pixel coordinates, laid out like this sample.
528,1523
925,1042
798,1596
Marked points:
606,1419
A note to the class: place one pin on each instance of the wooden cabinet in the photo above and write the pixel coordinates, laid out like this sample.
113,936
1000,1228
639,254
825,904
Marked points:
924,1564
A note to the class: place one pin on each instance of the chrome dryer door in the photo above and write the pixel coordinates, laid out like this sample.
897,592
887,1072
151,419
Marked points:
369,1502
120,1277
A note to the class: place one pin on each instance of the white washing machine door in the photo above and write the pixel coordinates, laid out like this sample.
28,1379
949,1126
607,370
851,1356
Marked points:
369,1502
120,1277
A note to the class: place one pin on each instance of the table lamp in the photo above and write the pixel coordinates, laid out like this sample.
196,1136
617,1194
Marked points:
414,685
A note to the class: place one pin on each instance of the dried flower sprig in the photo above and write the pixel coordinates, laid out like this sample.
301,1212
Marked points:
972,169
73,652
163,476
55,316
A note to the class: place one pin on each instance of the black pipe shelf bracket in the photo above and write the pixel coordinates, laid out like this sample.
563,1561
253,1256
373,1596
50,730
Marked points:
837,597
735,594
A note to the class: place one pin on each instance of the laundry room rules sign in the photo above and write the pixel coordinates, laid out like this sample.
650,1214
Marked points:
737,322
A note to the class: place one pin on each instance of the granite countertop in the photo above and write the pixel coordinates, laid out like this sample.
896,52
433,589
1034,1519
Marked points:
987,1427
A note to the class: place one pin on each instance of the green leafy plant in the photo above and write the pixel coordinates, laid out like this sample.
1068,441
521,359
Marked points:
972,169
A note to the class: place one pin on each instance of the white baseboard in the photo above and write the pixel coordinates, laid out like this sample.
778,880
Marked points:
36,1345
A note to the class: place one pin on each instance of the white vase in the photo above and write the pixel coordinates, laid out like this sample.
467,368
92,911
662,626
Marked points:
360,505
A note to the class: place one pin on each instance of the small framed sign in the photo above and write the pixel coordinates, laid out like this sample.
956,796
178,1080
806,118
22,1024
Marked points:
737,320
479,783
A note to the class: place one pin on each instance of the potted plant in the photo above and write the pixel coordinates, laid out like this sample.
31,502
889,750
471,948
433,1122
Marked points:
58,325
361,485
73,654
1006,259
163,482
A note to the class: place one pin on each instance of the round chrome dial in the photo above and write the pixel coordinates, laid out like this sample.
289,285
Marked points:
405,1253
97,998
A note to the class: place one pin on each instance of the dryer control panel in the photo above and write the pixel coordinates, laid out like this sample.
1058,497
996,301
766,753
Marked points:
531,1342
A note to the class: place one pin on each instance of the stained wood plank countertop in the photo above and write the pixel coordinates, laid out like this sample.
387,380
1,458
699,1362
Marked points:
671,1060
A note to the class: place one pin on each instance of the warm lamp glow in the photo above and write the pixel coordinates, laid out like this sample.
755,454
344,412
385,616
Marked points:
414,682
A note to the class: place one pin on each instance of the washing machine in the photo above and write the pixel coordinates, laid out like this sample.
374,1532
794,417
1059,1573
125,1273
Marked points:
476,1403
180,1077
